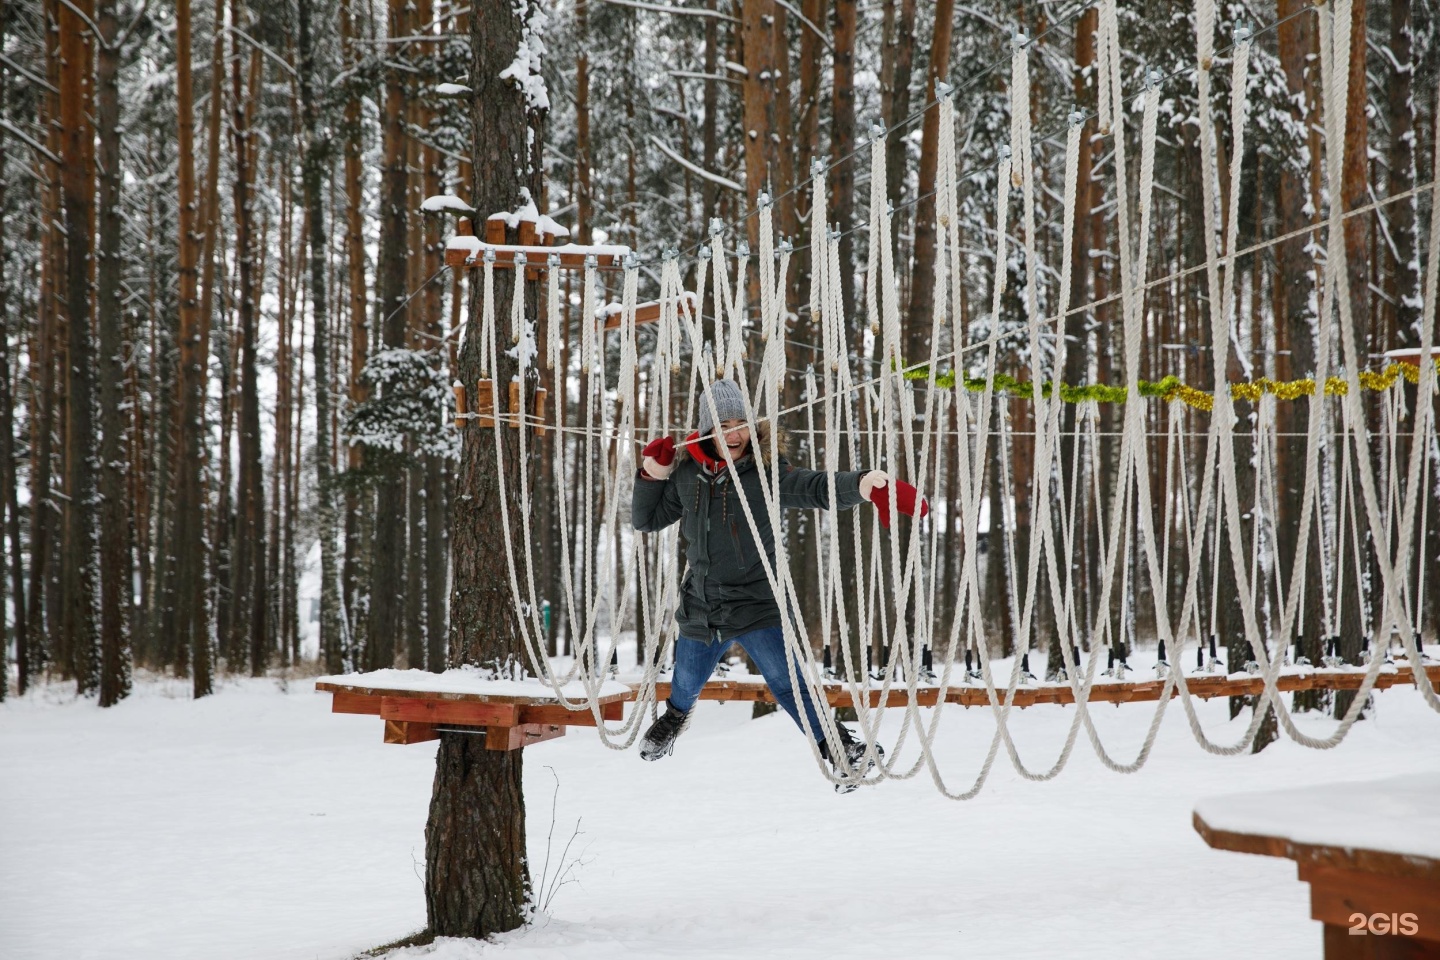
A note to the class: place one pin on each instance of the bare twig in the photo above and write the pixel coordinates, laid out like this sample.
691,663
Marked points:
696,168
666,8
35,145
550,886
38,81
263,49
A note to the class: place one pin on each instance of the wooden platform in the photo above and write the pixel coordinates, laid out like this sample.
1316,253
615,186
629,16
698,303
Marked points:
1374,880
1104,690
509,722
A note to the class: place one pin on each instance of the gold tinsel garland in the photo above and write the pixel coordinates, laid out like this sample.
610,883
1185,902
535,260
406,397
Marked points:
1171,388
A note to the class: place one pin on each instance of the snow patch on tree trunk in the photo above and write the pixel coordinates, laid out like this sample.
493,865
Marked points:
524,70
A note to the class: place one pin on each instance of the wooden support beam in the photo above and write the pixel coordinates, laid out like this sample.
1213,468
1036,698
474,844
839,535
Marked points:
521,735
555,713
346,701
405,731
650,312
469,713
536,257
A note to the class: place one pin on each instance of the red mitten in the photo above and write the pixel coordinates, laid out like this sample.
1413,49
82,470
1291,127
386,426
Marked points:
905,500
663,450
658,458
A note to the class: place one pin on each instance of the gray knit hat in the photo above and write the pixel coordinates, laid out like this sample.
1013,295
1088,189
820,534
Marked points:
729,404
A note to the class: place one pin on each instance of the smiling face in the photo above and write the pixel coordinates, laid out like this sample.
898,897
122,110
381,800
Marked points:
734,437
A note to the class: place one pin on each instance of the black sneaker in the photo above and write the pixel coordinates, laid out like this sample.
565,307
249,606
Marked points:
855,755
660,738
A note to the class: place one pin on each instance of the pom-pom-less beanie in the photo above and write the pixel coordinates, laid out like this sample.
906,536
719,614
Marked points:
729,405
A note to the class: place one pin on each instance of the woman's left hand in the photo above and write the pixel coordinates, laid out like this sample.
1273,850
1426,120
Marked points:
873,488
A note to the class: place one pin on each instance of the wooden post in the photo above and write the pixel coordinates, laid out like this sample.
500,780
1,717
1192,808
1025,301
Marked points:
460,410
485,403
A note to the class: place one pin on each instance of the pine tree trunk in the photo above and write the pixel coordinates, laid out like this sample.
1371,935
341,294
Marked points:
335,653
922,285
116,554
7,451
42,359
387,585
899,55
1294,333
1356,625
279,588
247,556
357,512
709,129
191,559
1404,276
162,648
79,636
477,881
842,142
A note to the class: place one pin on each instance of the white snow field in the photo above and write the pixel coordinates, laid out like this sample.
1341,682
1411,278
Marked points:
256,824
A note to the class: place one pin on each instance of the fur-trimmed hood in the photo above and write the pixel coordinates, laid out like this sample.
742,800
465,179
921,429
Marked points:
692,448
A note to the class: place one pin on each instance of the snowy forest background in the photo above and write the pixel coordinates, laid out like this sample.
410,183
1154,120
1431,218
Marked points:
229,333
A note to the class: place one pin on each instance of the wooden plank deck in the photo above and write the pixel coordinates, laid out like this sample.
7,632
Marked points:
512,721
1104,690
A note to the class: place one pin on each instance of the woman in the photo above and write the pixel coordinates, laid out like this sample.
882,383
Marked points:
726,596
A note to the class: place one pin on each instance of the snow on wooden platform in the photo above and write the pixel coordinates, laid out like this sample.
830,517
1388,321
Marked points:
1397,815
463,683
465,251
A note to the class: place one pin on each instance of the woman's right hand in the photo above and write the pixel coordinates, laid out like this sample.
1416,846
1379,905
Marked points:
658,458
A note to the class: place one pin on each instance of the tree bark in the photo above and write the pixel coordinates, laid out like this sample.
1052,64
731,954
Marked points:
1294,332
842,143
476,877
42,379
116,551
192,610
358,514
895,105
79,636
387,585
334,651
247,556
1404,275
7,451
922,286
1356,624
709,130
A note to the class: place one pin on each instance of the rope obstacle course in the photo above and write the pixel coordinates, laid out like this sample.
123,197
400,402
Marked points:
890,418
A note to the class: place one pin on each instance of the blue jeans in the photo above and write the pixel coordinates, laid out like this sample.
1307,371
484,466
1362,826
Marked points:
695,661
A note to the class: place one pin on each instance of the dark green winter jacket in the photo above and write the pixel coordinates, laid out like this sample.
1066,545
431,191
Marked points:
725,592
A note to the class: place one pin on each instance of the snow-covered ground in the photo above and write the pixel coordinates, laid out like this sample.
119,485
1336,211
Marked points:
255,824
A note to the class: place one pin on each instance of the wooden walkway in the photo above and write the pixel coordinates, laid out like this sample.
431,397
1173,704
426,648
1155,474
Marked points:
510,722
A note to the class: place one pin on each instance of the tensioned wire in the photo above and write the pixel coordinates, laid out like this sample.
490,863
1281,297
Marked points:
1054,318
